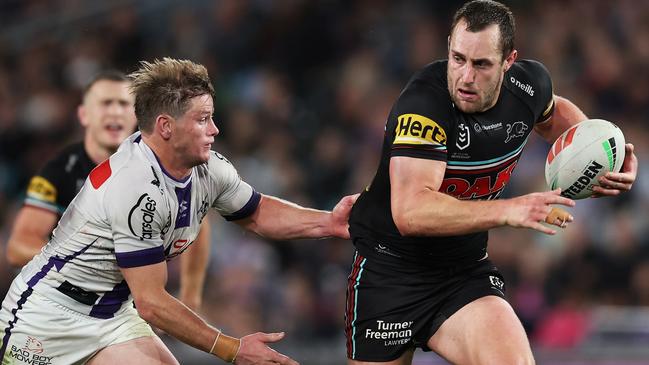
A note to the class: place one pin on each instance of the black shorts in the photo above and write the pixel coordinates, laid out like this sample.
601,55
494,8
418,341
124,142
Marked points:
393,307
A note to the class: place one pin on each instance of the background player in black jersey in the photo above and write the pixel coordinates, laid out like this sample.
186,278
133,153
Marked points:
106,112
421,275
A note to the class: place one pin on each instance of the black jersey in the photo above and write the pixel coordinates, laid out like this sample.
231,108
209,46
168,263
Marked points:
59,181
481,151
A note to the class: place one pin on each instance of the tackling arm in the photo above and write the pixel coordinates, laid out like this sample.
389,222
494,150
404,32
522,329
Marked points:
30,233
419,209
279,219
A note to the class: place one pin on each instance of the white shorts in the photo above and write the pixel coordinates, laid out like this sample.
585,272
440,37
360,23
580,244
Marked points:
38,331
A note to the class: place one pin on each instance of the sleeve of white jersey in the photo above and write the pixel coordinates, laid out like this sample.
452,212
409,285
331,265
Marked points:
138,217
234,198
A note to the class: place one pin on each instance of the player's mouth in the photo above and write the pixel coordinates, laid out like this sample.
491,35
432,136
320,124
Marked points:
114,127
467,95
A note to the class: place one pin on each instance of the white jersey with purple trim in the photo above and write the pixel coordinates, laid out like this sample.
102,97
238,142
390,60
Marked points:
130,213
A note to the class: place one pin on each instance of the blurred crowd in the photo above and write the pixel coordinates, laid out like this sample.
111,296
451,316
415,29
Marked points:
303,89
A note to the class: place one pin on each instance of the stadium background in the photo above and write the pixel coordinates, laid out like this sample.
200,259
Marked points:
303,90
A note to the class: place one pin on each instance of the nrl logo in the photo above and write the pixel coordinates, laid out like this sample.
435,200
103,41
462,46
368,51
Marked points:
463,136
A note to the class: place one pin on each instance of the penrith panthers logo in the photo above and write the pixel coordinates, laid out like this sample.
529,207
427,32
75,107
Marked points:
516,130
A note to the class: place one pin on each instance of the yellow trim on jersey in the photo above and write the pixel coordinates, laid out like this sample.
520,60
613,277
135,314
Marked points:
41,189
548,108
415,129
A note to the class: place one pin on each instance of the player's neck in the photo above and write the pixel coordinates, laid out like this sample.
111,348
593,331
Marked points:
167,158
95,152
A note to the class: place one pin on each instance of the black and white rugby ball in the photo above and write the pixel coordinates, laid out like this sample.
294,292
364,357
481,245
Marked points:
581,155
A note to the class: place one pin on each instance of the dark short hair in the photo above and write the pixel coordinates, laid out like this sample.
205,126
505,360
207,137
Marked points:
167,86
479,14
106,75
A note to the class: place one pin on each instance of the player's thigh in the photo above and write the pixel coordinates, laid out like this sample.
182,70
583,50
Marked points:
485,331
405,359
147,350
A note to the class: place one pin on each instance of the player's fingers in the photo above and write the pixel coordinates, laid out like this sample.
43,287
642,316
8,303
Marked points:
541,228
619,182
600,191
352,198
283,359
558,199
558,217
272,337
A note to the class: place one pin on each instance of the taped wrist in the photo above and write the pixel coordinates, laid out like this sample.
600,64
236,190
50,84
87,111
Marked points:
225,347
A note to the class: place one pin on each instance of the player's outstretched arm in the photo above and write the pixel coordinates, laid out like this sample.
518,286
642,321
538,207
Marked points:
280,219
615,183
156,306
419,209
30,233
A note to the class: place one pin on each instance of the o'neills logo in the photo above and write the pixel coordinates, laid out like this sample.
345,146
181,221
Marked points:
141,217
525,87
584,180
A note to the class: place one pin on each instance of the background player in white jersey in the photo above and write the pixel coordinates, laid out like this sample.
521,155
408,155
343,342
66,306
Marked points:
137,209
108,116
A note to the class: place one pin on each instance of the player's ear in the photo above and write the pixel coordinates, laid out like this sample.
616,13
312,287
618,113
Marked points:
509,61
82,114
164,125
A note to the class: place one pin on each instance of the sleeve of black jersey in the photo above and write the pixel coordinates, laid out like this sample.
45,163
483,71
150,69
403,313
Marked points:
544,101
45,189
63,181
420,123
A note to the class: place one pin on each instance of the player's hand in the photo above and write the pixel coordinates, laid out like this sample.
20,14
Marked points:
254,351
528,211
340,216
613,183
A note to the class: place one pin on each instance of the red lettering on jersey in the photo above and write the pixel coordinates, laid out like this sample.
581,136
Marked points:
503,177
479,188
454,186
100,174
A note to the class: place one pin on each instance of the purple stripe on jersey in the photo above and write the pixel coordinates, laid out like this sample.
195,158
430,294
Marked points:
167,173
144,257
111,302
137,139
184,196
247,209
53,261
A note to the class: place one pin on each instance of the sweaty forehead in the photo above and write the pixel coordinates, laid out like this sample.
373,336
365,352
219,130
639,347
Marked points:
483,44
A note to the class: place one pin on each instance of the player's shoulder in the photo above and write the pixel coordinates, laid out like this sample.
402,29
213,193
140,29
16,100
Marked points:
217,167
527,76
127,169
430,78
426,93
68,156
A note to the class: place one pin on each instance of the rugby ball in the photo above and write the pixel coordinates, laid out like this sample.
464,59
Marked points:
581,155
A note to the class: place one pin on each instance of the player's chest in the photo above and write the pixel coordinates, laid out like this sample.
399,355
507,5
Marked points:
187,207
474,138
482,155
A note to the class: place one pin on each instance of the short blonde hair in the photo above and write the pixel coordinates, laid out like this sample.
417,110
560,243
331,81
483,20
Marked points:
167,86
